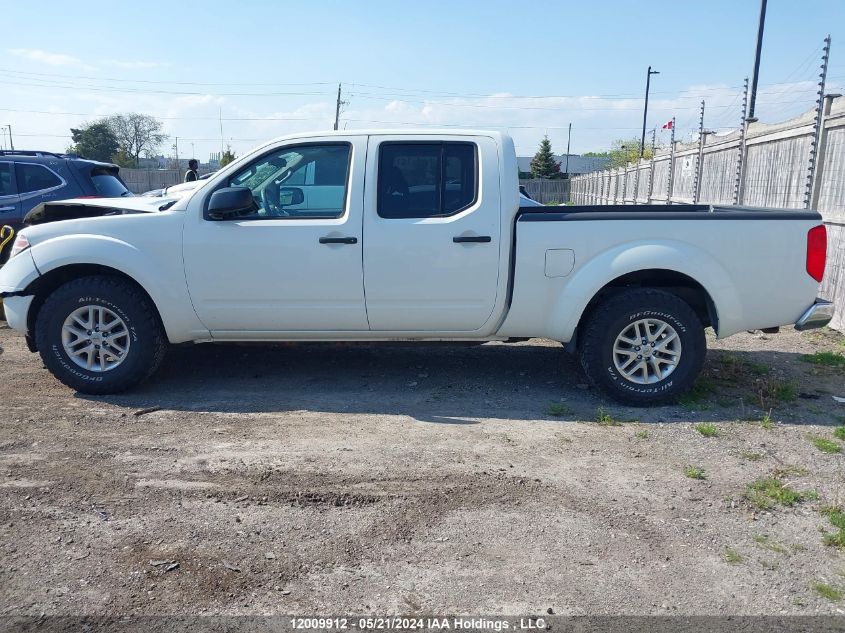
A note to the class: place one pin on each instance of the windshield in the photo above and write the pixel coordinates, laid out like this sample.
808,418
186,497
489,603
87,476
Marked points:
108,184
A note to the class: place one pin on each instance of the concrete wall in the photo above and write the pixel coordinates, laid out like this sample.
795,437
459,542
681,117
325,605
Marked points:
774,175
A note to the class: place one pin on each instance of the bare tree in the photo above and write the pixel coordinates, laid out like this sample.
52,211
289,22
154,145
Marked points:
137,133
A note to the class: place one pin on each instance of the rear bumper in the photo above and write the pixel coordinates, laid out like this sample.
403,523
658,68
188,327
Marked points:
817,315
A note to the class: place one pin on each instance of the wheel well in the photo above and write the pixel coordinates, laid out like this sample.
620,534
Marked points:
44,286
672,281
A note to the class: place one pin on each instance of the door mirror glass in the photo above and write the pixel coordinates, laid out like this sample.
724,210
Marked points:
229,203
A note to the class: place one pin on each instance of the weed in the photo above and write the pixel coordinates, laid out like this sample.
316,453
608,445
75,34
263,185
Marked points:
827,591
699,392
558,410
771,390
732,556
766,421
839,433
750,456
790,470
564,440
694,472
767,492
641,435
707,429
764,541
824,445
605,419
826,359
837,519
759,369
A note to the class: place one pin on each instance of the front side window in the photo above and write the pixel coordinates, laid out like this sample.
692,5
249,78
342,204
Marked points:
425,180
306,181
32,177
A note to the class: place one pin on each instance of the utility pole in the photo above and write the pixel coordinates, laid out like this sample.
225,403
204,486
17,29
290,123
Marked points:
11,143
568,141
740,162
645,108
817,128
337,108
651,170
696,188
176,148
220,118
756,74
671,164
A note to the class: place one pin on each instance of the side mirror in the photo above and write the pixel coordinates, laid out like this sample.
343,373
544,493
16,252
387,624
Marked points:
228,202
290,196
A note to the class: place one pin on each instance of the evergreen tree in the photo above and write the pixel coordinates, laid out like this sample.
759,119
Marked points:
543,165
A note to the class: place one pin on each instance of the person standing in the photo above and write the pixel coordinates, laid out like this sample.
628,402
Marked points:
192,174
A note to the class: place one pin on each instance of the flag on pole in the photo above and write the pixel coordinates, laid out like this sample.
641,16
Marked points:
668,125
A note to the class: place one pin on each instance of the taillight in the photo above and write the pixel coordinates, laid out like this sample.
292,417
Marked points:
816,251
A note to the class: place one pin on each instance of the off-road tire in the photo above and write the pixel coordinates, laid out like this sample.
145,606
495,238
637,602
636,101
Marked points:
612,316
148,343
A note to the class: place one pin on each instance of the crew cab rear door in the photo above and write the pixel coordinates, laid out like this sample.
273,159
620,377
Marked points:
10,202
431,232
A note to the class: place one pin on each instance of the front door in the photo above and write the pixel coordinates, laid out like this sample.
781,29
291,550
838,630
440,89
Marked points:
294,263
433,235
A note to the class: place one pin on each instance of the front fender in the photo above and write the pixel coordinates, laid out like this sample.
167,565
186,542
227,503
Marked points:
160,273
623,259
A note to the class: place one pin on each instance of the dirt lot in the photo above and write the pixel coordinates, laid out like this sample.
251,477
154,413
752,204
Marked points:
429,478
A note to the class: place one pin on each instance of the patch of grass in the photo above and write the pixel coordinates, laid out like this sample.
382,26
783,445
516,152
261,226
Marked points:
694,472
825,359
731,556
564,440
767,492
751,456
606,419
641,435
825,445
765,542
758,369
827,591
558,410
699,392
837,519
707,429
766,421
839,433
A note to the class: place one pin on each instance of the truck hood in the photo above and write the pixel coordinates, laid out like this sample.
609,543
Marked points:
94,207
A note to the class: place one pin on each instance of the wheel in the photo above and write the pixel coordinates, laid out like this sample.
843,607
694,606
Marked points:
643,346
99,335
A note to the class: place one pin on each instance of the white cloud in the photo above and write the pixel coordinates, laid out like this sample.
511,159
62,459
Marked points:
51,59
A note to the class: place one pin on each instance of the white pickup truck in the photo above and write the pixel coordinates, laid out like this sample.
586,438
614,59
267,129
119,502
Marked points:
403,235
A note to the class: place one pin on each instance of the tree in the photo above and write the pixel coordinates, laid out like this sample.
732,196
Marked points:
626,150
136,134
94,140
544,165
122,159
227,157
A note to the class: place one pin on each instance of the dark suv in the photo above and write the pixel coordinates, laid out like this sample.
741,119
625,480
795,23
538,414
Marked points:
29,178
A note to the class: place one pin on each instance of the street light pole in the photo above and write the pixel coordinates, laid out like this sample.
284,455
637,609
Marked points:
568,141
756,75
645,108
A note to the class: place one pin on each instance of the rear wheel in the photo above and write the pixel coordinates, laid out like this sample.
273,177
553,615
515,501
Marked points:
643,346
99,335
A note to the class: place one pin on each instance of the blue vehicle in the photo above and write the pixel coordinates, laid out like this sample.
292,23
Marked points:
30,178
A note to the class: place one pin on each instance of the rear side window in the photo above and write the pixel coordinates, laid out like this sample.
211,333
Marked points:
426,180
33,177
107,184
7,187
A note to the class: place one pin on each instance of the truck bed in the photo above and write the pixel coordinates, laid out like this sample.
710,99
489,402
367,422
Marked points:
660,212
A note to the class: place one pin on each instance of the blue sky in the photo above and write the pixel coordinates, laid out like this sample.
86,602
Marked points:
272,68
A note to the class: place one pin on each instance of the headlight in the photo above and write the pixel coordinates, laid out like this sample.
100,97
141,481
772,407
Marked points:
20,245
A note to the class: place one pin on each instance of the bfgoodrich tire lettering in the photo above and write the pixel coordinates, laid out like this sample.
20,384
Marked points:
615,316
146,345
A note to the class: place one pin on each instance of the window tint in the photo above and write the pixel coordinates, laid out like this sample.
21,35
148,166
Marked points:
6,188
423,180
35,178
307,181
107,184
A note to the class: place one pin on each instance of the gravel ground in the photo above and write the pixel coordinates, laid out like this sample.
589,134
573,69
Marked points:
420,479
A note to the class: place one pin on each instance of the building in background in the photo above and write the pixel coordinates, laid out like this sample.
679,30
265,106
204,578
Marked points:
577,164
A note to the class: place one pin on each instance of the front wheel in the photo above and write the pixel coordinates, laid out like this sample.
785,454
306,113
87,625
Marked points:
643,346
99,335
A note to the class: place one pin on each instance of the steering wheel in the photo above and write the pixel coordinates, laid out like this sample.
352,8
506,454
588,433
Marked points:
270,198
